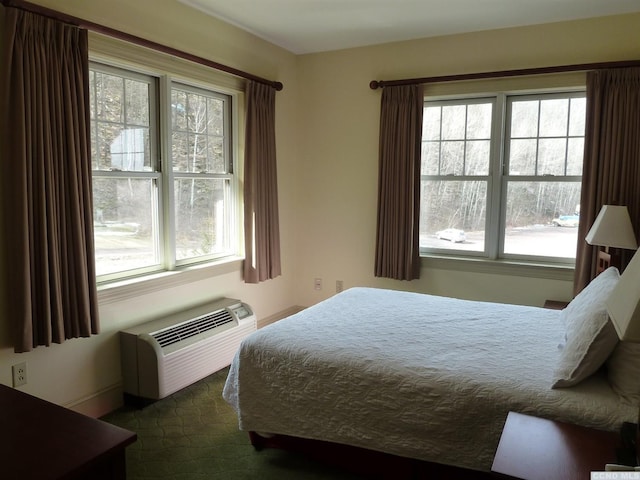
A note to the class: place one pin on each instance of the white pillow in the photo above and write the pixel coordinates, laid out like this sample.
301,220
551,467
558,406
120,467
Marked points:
623,371
590,336
589,298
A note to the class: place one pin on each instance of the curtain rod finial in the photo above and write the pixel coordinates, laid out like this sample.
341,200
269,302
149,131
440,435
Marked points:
374,84
278,86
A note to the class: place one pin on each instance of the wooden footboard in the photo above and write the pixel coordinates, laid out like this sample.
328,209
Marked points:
369,463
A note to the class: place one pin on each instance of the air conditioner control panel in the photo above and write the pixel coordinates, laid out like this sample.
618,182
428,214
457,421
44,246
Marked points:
242,311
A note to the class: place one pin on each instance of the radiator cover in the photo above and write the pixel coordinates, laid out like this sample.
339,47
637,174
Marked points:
165,355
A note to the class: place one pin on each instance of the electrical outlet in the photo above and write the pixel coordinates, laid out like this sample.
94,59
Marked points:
339,286
317,284
19,371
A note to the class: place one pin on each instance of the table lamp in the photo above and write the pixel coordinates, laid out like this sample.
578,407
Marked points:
611,229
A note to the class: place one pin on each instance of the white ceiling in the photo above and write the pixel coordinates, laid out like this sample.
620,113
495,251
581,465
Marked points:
307,26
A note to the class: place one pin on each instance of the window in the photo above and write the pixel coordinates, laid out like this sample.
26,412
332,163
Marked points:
153,212
202,173
501,176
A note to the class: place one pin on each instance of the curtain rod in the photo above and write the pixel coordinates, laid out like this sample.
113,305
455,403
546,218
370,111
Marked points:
96,27
375,84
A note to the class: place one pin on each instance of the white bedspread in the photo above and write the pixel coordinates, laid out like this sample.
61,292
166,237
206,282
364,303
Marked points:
414,375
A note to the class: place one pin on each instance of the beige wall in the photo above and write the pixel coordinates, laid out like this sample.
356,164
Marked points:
85,373
327,124
339,147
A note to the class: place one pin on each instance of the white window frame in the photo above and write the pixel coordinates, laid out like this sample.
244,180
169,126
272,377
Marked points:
497,182
163,174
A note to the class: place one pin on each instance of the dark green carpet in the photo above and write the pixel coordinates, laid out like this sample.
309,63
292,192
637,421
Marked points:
193,435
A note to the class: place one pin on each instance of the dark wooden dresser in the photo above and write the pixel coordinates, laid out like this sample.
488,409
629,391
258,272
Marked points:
41,440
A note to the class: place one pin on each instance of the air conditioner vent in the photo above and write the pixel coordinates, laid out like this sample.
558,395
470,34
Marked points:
161,356
201,324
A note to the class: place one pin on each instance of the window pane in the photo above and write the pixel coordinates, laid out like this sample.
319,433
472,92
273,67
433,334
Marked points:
109,95
121,149
577,116
199,136
453,122
430,158
104,135
453,214
522,157
129,150
179,110
554,117
125,232
202,207
575,156
532,211
478,157
197,153
524,119
215,154
215,117
452,158
431,123
180,151
479,121
137,105
551,156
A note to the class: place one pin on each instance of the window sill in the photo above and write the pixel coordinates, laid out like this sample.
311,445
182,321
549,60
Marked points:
133,287
547,271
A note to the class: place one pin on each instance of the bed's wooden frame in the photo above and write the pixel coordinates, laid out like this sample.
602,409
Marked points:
368,463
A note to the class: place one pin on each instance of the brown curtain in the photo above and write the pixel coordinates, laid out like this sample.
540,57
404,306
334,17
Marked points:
46,167
397,242
261,223
611,173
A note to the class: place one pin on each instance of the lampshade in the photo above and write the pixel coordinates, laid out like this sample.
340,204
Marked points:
623,304
612,228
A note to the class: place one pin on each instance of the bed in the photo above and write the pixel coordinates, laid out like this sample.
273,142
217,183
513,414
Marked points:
426,377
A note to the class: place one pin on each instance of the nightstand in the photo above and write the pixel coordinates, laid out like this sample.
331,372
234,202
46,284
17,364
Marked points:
555,304
533,448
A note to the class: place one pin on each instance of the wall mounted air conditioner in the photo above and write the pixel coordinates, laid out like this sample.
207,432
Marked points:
165,355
